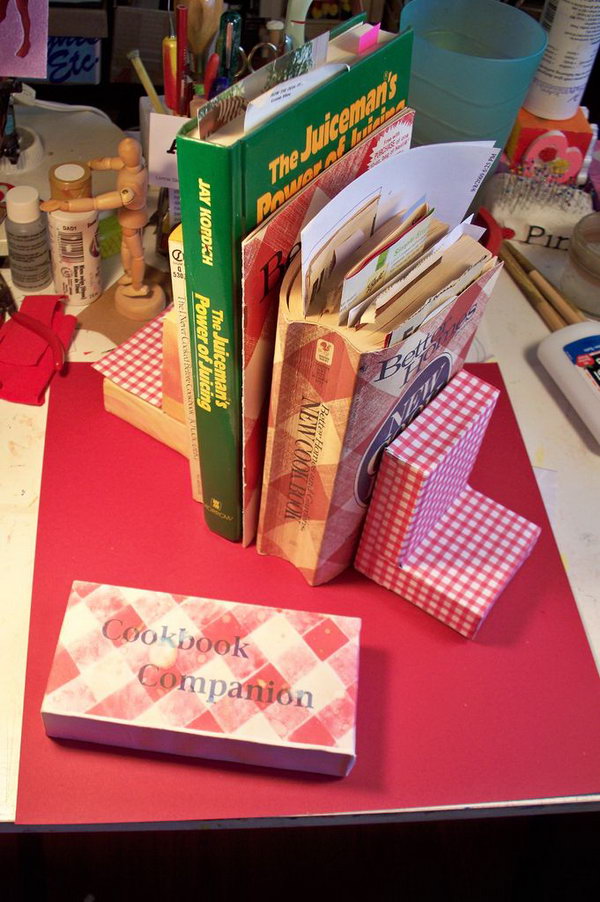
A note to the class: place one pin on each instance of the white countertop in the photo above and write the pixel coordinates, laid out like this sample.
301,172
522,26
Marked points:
66,136
562,451
566,458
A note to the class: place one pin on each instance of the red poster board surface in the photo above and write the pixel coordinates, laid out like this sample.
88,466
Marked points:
442,721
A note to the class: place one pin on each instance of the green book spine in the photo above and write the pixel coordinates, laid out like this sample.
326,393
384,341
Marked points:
225,192
211,220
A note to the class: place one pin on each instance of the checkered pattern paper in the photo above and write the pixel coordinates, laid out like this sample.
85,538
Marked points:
435,455
136,365
430,537
207,678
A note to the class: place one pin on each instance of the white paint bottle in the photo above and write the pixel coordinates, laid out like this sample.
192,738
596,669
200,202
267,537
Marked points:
573,28
572,357
75,253
74,244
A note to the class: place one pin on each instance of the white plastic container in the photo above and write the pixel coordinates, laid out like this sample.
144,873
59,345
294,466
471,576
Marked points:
573,28
572,357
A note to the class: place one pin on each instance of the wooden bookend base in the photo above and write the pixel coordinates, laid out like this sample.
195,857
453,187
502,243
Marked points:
150,419
139,309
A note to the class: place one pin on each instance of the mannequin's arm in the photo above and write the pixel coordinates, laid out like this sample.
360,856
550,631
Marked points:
112,200
106,163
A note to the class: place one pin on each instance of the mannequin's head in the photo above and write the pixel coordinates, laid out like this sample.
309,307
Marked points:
130,152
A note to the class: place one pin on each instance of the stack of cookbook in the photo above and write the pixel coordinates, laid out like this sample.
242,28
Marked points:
377,313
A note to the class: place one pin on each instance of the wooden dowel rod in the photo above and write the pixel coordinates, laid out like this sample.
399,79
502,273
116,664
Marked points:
567,310
543,308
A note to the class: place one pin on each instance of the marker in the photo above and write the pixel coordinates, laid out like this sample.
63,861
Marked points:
184,83
210,73
228,45
169,61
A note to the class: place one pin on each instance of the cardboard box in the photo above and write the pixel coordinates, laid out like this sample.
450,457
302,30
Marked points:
205,678
67,21
74,44
143,29
428,535
553,149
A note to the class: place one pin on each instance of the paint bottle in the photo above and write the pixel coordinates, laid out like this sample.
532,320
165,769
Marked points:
573,28
27,239
68,180
74,242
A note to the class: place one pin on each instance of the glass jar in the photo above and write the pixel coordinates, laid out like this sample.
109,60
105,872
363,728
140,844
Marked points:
580,281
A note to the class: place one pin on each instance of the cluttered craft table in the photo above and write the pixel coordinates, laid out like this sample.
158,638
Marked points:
446,727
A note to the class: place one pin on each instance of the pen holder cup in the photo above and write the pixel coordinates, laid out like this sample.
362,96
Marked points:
473,61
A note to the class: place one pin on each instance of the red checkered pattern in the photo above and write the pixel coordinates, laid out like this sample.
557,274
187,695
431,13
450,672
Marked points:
136,365
428,536
435,456
96,671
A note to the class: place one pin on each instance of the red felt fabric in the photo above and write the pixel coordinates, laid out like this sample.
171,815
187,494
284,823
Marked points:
26,360
441,720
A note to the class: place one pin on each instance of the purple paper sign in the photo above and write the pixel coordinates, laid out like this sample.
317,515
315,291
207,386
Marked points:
23,38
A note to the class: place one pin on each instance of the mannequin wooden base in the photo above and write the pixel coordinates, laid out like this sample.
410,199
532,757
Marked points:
139,308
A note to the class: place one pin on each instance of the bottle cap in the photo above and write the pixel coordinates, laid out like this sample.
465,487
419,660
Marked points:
69,180
23,204
275,30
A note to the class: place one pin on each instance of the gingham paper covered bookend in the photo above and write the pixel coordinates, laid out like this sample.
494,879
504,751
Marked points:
430,537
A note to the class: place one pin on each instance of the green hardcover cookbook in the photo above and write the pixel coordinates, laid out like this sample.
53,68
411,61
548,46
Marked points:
229,183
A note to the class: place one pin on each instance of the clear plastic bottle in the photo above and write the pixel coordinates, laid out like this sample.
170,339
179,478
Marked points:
580,281
27,239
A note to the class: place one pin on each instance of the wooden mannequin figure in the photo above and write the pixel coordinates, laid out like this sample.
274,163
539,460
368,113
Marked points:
134,298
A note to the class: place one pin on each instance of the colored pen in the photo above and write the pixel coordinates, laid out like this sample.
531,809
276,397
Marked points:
210,73
184,84
228,45
169,60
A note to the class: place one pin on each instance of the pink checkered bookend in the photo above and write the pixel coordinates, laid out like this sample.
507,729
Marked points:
428,536
136,365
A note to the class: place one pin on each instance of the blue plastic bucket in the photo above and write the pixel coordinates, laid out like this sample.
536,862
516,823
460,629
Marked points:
473,62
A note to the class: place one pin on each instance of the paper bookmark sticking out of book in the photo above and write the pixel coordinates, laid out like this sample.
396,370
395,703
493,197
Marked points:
342,239
282,95
366,311
423,172
392,247
222,109
359,39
